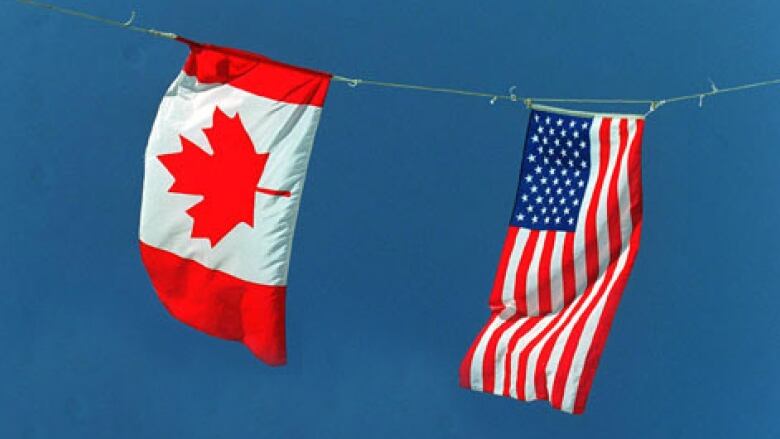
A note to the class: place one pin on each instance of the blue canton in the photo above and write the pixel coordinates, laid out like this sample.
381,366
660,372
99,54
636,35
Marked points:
554,173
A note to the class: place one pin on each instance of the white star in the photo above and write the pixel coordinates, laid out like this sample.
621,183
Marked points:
576,135
540,130
554,210
567,182
551,151
584,164
566,211
563,133
550,200
520,217
557,142
529,178
544,180
579,184
544,140
551,131
559,191
547,120
538,169
564,153
571,163
576,153
576,202
530,208
559,122
547,191
555,181
571,221
538,200
546,219
536,118
577,173
571,124
546,161
571,192
558,162
533,190
584,125
557,220
535,138
562,201
544,210
552,172
582,144
524,197
534,220
540,150
531,157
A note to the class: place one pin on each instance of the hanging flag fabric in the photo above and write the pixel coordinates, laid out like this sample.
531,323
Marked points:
224,174
573,237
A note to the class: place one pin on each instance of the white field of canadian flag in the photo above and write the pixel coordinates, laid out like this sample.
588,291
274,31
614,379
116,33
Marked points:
224,173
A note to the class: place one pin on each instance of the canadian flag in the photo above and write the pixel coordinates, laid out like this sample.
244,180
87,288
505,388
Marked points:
224,173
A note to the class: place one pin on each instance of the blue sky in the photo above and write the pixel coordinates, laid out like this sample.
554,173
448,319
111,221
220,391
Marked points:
406,205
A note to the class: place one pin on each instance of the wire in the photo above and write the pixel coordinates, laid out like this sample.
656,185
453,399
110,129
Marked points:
354,82
123,24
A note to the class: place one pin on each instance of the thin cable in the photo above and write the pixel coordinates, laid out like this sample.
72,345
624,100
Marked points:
122,24
354,82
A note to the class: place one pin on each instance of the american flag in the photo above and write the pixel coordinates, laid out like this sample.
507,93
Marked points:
572,239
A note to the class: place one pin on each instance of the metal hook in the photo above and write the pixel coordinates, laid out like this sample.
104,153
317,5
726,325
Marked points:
701,100
130,20
493,100
353,83
714,87
512,95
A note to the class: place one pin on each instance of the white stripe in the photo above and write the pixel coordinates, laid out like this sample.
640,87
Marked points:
580,258
559,343
501,355
477,361
508,293
626,227
556,273
586,338
624,197
522,342
532,277
602,209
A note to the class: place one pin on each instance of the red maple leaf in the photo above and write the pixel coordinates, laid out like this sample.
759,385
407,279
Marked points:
227,179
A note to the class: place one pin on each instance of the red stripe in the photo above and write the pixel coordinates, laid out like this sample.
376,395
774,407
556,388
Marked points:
524,328
521,277
602,330
489,361
613,207
569,282
465,365
256,74
613,222
540,377
220,304
496,296
543,282
591,232
523,360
